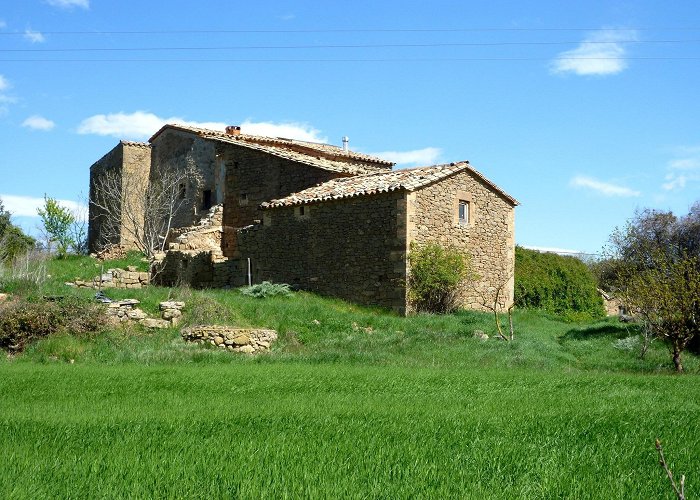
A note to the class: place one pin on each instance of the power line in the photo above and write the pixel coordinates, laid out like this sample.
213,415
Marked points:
341,46
350,30
427,59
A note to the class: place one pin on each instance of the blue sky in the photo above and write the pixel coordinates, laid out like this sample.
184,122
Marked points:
583,111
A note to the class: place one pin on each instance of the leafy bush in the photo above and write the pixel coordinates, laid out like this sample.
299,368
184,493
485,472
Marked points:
560,285
435,277
13,241
266,289
23,321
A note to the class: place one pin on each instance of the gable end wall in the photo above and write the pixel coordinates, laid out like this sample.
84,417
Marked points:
489,238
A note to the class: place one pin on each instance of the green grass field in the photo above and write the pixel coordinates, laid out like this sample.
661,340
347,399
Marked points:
351,402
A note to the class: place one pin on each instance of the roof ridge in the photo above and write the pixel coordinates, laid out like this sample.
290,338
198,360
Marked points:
337,151
383,182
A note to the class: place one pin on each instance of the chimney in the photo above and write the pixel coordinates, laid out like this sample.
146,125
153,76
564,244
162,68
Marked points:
233,130
346,139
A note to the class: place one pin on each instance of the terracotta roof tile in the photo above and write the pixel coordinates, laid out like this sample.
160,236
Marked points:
136,144
409,179
331,164
324,156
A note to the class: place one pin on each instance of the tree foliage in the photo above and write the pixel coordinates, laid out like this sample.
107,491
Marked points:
57,221
436,274
556,284
653,266
13,242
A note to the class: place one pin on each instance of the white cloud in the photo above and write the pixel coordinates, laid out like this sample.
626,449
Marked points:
681,171
600,53
290,130
27,206
69,4
37,122
416,157
142,125
138,125
604,188
34,36
4,98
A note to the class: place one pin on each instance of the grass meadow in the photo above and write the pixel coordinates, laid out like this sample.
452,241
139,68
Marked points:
350,403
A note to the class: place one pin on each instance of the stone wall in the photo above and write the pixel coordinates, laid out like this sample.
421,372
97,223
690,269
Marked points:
206,235
489,235
129,165
351,248
178,150
243,340
122,311
115,278
253,177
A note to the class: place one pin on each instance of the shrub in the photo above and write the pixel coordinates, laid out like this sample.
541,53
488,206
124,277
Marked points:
436,273
23,321
24,274
560,285
266,289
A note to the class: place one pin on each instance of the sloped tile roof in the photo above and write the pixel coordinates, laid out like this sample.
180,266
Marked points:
352,167
325,156
409,179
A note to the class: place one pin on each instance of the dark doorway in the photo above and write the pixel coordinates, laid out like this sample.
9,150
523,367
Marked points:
206,199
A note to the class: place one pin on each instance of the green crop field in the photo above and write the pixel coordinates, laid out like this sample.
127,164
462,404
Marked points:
351,402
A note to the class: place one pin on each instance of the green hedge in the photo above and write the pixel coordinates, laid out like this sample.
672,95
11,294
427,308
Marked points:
559,285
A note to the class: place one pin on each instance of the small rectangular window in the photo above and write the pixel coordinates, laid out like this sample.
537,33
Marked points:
463,214
243,199
182,191
302,212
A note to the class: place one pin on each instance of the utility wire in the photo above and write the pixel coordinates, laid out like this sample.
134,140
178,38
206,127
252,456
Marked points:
429,59
348,30
341,46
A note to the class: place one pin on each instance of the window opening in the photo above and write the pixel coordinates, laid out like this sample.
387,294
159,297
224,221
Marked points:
463,214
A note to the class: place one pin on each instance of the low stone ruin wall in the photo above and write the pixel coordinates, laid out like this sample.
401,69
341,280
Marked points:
115,278
126,310
205,235
246,340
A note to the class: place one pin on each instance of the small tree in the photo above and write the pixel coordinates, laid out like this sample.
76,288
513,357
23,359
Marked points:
496,306
57,222
436,274
138,208
667,297
653,266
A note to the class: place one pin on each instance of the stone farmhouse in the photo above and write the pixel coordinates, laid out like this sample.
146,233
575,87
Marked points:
317,216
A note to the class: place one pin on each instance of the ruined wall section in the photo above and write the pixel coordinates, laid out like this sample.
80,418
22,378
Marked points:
253,177
352,248
176,151
128,165
135,173
489,236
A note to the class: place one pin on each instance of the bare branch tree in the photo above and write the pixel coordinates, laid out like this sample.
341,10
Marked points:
496,307
138,210
679,488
